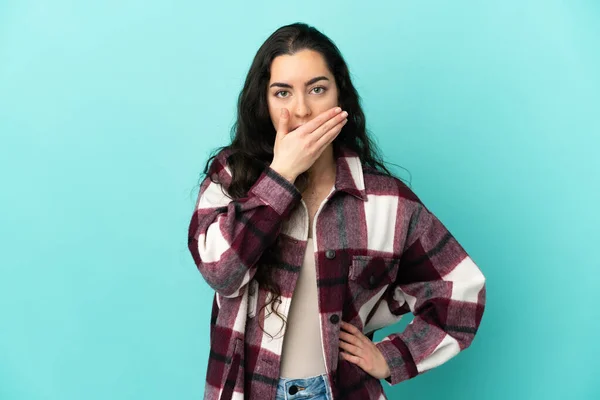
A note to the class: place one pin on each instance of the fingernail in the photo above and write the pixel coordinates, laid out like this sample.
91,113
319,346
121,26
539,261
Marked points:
338,109
345,113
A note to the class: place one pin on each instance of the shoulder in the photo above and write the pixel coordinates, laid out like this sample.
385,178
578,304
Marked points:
379,183
220,159
392,196
218,167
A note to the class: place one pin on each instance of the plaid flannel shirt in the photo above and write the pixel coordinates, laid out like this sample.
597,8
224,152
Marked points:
379,253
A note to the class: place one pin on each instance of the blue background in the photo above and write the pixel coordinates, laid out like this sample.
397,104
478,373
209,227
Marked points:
109,109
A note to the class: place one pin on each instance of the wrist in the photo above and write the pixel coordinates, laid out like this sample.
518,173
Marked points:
287,175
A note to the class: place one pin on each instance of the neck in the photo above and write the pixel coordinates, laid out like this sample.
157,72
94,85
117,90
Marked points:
324,169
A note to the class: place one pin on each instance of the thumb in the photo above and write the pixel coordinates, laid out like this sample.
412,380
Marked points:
283,127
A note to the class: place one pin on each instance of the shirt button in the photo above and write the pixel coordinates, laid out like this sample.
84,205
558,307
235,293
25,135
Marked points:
372,280
330,254
334,319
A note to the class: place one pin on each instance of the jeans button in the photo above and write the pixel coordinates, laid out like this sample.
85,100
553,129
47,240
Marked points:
293,389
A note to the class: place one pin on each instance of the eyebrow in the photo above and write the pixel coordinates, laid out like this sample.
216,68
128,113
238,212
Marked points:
313,80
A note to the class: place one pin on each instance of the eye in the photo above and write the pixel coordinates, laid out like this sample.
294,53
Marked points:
322,89
281,91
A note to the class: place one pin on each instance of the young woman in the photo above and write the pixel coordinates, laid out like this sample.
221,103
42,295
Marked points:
311,245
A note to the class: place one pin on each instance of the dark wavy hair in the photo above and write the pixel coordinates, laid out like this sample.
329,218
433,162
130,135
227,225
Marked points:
253,135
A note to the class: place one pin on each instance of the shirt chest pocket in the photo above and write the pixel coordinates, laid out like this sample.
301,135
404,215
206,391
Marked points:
373,272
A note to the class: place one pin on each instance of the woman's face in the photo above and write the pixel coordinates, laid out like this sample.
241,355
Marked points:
303,84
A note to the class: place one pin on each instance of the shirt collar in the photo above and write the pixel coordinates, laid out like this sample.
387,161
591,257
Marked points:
349,176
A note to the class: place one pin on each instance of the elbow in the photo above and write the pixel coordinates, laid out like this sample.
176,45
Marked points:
226,285
225,277
468,282
215,270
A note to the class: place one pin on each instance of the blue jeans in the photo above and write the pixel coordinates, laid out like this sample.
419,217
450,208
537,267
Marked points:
314,388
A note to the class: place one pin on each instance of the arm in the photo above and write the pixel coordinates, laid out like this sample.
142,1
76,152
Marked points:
226,237
443,288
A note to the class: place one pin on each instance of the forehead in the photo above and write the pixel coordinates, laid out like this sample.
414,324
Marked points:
300,67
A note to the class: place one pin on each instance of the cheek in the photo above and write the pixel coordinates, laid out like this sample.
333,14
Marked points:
334,97
326,103
329,100
274,113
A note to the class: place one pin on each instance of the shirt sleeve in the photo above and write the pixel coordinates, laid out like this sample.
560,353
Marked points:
444,289
226,237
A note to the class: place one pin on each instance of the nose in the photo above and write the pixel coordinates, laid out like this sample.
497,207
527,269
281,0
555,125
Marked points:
302,109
